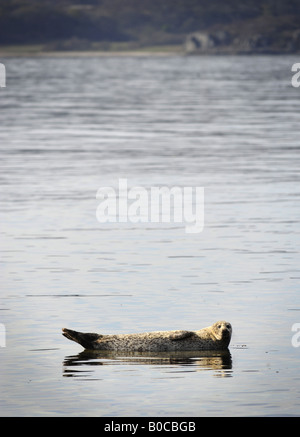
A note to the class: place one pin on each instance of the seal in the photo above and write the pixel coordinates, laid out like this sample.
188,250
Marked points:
215,337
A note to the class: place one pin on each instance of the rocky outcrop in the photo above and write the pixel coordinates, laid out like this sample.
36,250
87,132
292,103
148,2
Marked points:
201,41
226,42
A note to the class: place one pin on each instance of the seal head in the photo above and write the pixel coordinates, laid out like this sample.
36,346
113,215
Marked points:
222,331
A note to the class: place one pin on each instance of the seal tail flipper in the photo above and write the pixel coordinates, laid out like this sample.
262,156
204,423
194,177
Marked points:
86,340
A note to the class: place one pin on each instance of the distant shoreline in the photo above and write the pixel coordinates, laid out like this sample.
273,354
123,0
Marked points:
70,54
39,51
124,54
129,53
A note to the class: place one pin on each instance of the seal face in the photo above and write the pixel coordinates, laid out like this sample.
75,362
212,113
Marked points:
215,337
222,330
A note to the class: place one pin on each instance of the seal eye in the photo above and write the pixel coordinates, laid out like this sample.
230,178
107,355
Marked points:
228,326
219,326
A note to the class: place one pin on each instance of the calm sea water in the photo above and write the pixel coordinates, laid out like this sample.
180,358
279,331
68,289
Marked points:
69,126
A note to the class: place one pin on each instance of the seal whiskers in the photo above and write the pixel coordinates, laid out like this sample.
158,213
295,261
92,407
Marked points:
215,337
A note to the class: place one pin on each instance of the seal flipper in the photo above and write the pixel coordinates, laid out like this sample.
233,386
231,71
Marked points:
86,340
181,335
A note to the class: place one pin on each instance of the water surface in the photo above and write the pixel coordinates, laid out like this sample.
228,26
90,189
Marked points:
69,126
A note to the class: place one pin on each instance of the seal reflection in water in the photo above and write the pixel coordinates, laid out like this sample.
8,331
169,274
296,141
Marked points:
215,337
219,361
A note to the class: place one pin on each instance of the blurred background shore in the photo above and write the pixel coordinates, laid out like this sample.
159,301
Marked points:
182,26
